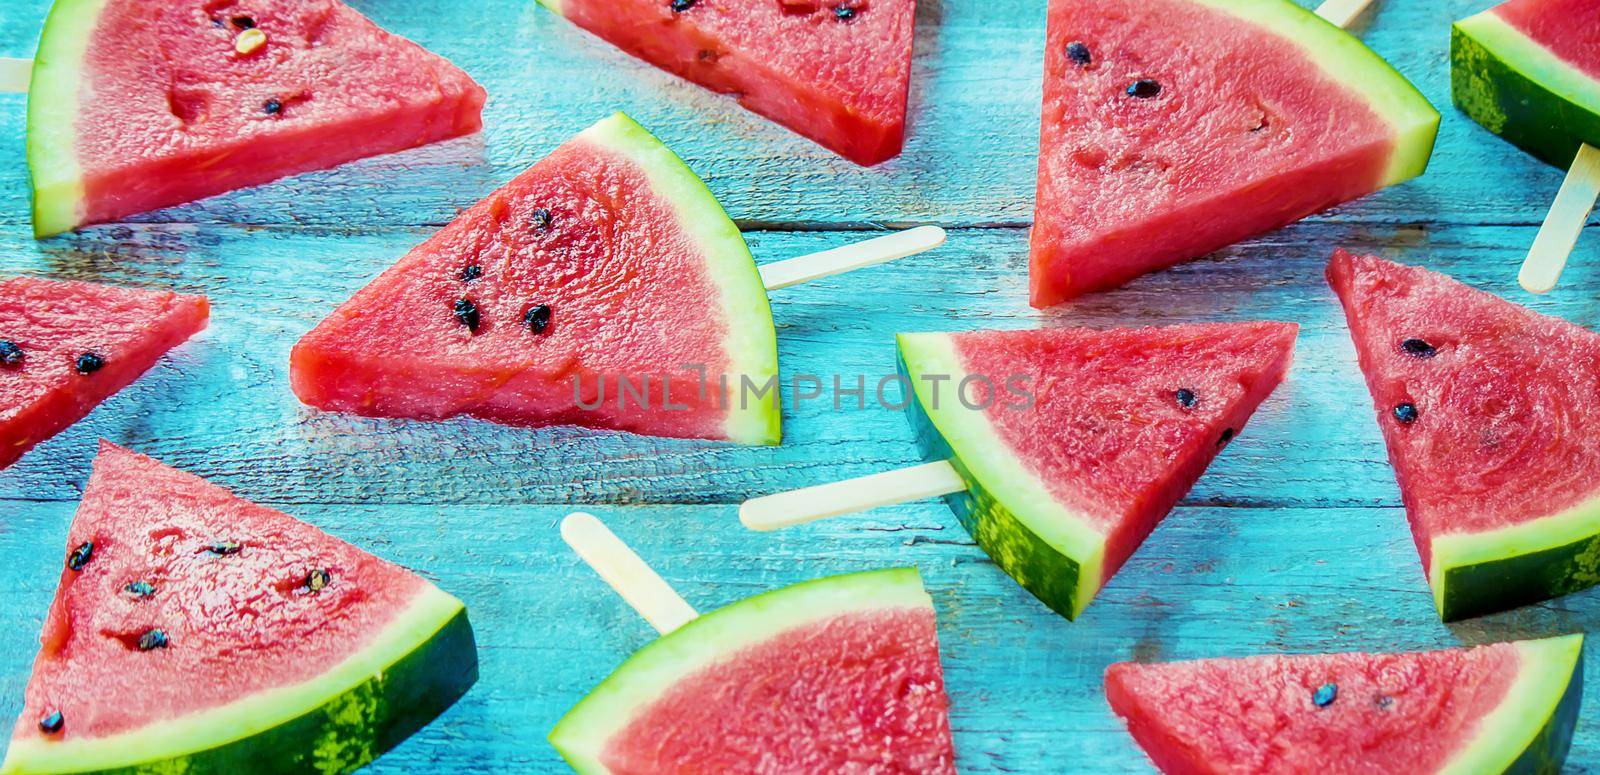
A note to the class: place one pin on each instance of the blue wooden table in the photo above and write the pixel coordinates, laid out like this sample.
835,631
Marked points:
1294,541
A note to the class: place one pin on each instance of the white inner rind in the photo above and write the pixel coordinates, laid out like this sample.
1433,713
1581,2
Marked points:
1544,670
583,733
994,465
259,712
1343,58
750,339
53,100
1459,550
1535,62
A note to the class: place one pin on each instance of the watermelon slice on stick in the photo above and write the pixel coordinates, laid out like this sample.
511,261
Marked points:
1061,450
603,287
1483,405
1501,708
67,346
836,71
137,105
194,631
1173,128
840,674
1529,71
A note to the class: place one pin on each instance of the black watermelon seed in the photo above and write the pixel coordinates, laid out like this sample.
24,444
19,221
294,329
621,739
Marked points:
89,363
471,273
81,555
225,548
844,13
1144,88
1406,413
538,318
10,353
467,314
1384,701
317,579
1325,695
153,639
1418,348
1186,398
51,723
139,589
1227,436
272,107
1078,52
679,6
243,22
541,216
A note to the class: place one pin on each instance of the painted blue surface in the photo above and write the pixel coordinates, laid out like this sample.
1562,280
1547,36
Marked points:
1294,541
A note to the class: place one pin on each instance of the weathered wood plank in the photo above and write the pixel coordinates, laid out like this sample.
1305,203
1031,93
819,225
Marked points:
969,159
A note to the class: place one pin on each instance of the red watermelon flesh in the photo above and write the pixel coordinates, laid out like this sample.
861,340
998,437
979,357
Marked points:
50,325
1559,26
1354,713
599,237
1106,432
836,71
227,584
1173,128
879,669
139,105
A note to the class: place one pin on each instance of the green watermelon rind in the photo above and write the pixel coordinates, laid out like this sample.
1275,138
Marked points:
1348,61
1472,574
412,671
582,734
1051,551
1521,90
1531,729
58,194
751,339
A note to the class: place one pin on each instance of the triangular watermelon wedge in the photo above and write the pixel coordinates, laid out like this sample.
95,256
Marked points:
1485,408
194,631
137,105
67,346
1074,443
1173,128
836,675
836,71
603,287
1501,708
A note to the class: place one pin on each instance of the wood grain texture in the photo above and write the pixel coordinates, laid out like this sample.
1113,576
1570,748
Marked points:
1293,541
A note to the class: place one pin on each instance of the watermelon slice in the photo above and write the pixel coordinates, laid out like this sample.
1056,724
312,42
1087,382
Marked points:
603,287
835,675
1483,406
836,71
1502,708
1529,71
1074,443
140,104
1173,128
67,346
194,631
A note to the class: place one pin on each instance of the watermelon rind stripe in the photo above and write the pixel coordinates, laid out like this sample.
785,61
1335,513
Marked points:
1053,552
53,99
1531,729
1478,573
416,667
582,734
1522,91
1349,62
751,340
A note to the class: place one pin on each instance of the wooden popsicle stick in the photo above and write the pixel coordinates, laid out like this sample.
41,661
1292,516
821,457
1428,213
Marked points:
650,595
1568,214
786,509
15,74
1342,12
815,266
